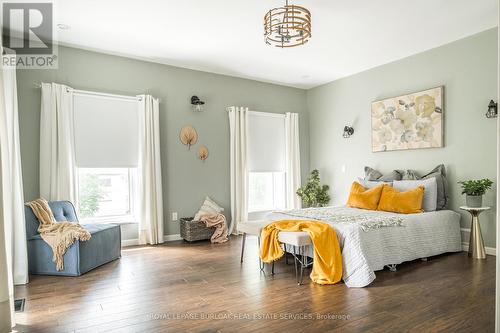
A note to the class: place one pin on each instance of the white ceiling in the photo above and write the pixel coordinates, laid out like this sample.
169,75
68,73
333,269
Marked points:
226,36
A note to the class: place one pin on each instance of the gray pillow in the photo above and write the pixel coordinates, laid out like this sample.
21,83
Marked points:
371,183
439,173
392,176
430,194
374,175
409,175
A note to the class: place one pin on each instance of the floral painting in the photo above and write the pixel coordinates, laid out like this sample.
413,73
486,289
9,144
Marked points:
411,121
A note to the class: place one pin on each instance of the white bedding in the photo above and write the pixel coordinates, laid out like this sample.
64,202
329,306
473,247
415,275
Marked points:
363,252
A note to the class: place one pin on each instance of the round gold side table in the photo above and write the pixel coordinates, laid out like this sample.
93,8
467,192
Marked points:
476,244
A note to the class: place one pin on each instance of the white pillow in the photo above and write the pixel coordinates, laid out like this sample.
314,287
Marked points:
429,203
371,183
209,207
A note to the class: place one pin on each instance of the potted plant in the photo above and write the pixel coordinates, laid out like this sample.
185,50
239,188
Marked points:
313,194
474,191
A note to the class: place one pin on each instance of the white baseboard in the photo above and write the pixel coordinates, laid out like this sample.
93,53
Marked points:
465,245
129,242
489,250
166,238
171,238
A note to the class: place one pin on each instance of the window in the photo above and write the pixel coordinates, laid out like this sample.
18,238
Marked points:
266,191
106,194
106,132
106,157
266,162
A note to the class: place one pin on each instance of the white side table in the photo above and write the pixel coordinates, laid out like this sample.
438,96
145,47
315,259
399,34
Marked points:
476,244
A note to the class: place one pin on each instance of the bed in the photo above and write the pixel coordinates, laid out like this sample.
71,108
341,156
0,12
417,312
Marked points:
371,240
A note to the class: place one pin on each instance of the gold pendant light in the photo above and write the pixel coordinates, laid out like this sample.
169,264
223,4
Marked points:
287,26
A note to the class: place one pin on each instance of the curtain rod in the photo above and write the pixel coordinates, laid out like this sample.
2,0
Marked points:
98,94
264,114
267,114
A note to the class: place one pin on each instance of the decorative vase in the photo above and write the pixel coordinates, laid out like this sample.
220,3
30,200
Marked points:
474,201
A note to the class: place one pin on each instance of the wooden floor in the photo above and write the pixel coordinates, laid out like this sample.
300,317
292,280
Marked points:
154,289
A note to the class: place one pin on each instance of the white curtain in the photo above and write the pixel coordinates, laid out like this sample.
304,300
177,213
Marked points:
238,131
150,184
57,148
10,194
292,160
6,284
15,227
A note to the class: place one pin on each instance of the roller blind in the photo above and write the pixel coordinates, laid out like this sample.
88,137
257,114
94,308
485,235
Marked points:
106,132
266,142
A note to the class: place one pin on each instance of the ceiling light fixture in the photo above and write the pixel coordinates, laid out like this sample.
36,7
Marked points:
287,26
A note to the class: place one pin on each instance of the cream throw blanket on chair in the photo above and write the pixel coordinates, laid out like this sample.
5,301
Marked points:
59,235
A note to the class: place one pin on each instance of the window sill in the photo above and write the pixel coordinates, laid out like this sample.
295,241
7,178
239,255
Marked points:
265,210
108,221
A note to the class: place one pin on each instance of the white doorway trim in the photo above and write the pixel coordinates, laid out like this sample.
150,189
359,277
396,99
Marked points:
497,289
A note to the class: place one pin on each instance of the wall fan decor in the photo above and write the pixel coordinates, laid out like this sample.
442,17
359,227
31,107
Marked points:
202,153
188,136
412,121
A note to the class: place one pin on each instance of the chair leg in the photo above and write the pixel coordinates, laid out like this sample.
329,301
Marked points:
301,249
286,257
243,246
261,264
295,264
272,268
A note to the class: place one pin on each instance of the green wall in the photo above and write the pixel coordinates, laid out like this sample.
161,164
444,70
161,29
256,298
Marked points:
186,180
468,70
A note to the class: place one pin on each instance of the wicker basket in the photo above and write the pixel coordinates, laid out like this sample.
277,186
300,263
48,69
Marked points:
195,230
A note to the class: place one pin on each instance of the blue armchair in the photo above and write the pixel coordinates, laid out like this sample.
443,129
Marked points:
103,247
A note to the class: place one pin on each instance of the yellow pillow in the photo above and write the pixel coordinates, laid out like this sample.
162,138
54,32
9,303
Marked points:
363,198
408,202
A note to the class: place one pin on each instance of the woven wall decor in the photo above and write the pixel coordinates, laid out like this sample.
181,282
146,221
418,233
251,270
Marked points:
188,136
202,153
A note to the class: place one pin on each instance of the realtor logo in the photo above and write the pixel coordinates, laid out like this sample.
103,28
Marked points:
27,35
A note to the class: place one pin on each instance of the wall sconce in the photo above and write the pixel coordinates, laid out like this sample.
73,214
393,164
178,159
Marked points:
348,131
197,103
492,110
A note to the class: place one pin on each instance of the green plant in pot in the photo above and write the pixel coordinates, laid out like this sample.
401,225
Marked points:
474,191
313,194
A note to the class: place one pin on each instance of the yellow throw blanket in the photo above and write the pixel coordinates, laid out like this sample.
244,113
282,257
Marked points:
58,235
327,266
